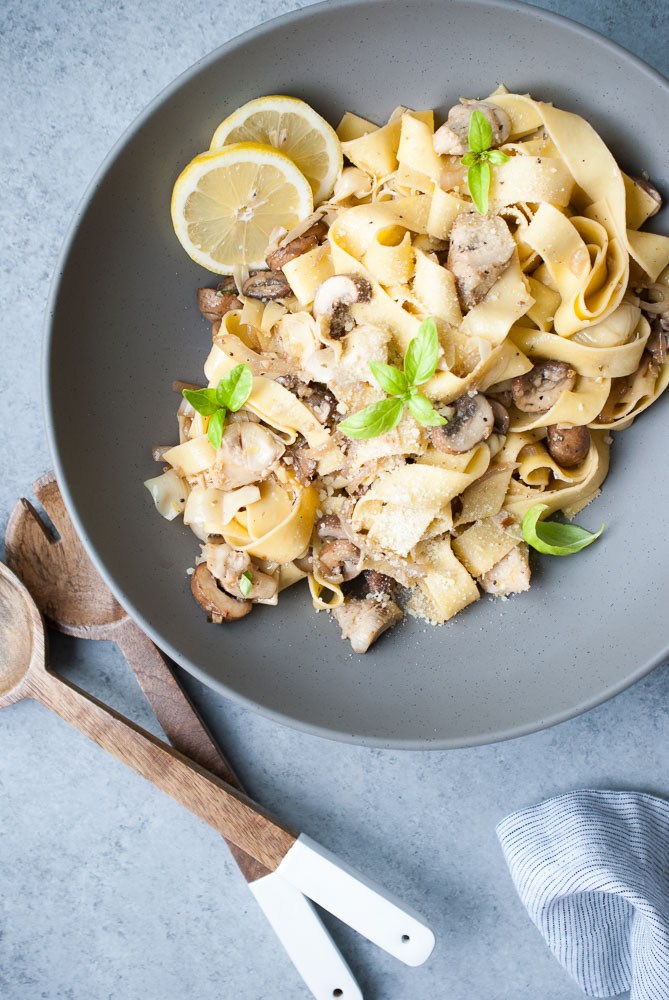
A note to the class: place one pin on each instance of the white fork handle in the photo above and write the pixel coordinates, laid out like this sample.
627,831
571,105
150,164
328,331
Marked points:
299,929
359,902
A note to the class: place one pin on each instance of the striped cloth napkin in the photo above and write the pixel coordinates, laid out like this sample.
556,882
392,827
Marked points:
592,868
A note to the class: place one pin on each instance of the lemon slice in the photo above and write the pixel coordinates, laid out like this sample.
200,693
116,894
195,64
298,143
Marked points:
226,203
293,127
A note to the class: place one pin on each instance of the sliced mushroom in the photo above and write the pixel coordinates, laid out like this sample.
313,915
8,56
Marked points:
228,566
263,587
320,401
539,389
645,185
378,584
330,526
568,445
214,303
225,563
334,298
218,605
295,248
471,422
298,456
362,621
267,285
658,342
339,561
511,575
502,393
247,454
501,415
306,562
481,250
453,136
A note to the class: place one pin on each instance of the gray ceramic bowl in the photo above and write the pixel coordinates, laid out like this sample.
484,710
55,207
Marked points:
122,324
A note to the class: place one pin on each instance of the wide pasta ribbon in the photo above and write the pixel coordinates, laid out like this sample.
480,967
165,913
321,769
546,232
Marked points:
594,170
608,349
569,496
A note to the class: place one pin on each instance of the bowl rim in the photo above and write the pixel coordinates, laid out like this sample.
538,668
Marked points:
47,366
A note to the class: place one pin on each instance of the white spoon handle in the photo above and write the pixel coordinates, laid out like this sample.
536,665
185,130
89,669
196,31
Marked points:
355,899
308,944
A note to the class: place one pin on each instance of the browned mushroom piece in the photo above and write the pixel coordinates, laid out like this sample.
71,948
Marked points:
330,526
339,561
568,445
309,239
305,562
298,457
503,396
378,584
480,251
247,454
539,389
315,395
267,286
658,342
501,415
228,566
334,298
283,255
453,136
214,303
321,402
263,587
219,606
363,620
645,184
470,423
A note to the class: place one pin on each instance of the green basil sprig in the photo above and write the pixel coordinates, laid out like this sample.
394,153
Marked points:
230,394
553,538
246,583
479,158
420,363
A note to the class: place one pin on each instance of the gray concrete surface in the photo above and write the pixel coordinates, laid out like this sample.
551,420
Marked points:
108,890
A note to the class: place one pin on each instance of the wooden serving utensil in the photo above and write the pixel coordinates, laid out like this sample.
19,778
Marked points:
74,599
296,860
292,858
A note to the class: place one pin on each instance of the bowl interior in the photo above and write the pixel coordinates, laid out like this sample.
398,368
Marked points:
123,324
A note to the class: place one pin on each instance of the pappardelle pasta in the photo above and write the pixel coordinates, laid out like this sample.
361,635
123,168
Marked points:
447,341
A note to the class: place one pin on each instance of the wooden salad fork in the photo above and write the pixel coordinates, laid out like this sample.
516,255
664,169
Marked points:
74,598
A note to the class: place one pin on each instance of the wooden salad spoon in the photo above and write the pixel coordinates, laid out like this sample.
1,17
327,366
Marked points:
288,857
74,599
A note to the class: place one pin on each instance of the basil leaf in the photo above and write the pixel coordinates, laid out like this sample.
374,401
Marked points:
469,158
215,429
246,583
235,388
374,420
202,400
496,156
389,378
480,132
421,357
478,182
553,538
424,412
